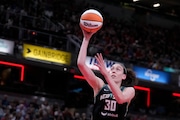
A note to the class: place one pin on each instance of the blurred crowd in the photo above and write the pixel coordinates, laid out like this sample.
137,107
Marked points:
27,107
133,42
36,108
121,40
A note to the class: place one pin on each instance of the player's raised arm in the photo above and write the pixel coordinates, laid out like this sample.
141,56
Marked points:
95,82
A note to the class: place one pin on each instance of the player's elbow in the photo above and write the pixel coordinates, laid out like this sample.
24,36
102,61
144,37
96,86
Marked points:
121,101
80,64
124,99
127,95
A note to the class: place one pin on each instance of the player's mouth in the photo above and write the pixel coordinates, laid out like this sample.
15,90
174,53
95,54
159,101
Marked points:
113,76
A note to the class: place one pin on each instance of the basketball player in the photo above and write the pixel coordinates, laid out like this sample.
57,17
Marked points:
111,98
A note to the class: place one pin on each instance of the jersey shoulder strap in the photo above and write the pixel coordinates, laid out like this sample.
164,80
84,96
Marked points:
122,88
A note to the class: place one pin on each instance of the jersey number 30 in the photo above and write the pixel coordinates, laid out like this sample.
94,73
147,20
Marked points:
110,105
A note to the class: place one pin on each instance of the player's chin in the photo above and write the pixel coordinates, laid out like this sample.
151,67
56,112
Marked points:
113,76
116,80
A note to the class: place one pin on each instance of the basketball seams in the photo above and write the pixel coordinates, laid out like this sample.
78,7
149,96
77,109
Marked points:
91,17
91,20
92,11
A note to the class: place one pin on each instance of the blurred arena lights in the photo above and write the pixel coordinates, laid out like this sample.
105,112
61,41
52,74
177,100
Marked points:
15,65
156,5
148,93
176,94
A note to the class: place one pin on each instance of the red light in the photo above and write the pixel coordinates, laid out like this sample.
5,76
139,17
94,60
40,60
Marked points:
136,87
15,65
33,33
79,77
148,93
176,94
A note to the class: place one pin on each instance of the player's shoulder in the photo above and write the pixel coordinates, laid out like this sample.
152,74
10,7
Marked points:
127,88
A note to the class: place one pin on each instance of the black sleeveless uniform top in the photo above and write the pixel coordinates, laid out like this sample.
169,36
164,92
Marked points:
106,107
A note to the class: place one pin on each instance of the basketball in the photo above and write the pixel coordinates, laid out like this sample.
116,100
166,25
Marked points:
91,20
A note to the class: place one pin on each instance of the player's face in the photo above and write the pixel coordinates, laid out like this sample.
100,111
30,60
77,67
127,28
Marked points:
117,72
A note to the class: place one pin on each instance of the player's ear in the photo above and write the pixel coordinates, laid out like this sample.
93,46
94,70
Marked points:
123,76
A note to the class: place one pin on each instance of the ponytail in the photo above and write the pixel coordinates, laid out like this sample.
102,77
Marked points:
131,79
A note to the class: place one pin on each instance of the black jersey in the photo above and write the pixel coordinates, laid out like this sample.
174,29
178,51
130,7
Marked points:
106,107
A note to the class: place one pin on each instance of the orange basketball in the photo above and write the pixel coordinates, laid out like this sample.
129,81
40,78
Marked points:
91,20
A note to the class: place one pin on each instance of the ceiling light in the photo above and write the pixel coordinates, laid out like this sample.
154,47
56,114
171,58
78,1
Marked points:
135,0
156,5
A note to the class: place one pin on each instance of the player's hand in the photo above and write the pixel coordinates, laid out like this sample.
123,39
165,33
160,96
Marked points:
100,63
87,35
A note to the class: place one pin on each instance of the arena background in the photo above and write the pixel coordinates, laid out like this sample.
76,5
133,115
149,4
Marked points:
39,42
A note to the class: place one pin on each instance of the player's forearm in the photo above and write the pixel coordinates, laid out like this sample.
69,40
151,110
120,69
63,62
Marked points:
83,52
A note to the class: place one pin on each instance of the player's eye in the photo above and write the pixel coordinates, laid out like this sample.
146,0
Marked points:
112,68
118,68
